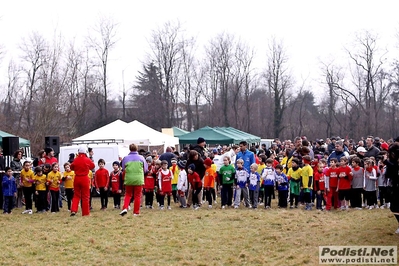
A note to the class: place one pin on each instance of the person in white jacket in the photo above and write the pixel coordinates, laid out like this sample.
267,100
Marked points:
182,183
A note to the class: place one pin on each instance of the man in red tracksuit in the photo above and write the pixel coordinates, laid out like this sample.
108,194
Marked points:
81,185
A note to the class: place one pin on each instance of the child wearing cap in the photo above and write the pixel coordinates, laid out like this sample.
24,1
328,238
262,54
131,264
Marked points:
164,184
116,184
175,172
182,183
195,183
149,182
209,181
294,175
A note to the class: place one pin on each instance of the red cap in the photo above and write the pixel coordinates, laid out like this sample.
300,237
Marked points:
385,146
208,162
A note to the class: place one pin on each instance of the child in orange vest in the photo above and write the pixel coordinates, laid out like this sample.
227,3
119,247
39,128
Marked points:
209,181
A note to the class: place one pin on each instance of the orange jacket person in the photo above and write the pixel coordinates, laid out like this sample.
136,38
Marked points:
81,166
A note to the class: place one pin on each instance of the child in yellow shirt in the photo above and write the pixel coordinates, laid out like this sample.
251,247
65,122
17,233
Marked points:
53,181
68,177
27,176
175,177
40,180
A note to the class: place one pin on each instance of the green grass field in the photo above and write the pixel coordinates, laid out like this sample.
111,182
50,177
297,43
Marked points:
188,237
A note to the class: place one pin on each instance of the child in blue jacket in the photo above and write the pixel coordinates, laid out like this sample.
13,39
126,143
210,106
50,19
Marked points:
282,186
9,190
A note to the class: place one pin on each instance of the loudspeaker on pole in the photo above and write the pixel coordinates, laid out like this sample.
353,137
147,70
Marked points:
10,145
53,142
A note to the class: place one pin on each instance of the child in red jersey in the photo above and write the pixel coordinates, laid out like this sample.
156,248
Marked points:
116,184
196,184
319,185
331,184
149,183
102,183
344,183
165,184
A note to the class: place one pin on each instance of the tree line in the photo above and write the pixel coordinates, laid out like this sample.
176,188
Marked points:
59,88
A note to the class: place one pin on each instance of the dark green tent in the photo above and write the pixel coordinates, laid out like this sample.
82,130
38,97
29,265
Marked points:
236,135
177,132
211,136
22,142
251,138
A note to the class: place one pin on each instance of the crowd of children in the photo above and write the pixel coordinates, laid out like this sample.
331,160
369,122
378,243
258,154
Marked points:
298,179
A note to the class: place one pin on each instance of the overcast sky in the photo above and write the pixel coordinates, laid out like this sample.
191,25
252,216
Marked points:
313,31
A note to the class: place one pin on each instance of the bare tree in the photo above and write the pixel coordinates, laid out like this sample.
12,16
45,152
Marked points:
368,66
188,85
279,81
220,58
103,39
34,52
167,45
333,79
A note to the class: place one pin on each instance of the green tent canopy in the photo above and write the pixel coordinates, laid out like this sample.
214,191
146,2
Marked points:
22,142
251,138
211,136
237,135
177,132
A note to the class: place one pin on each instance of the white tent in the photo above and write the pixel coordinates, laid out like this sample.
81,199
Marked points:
154,137
126,133
116,131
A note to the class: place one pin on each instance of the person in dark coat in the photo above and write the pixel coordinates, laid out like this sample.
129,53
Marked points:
168,155
200,148
372,151
392,173
195,159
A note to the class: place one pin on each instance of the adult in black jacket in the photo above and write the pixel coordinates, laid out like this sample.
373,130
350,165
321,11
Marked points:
200,148
16,166
372,151
331,146
195,159
392,173
168,155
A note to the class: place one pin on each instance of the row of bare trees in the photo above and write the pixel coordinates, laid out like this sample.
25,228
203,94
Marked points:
59,88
